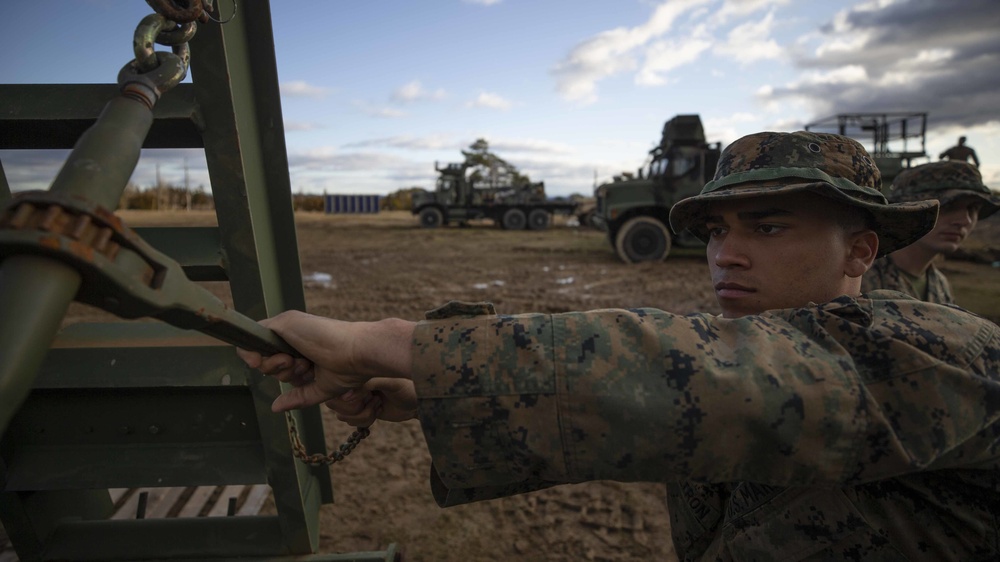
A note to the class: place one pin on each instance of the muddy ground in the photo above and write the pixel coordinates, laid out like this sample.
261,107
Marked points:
374,266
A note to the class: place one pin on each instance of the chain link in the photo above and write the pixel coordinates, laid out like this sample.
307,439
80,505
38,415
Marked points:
170,9
299,450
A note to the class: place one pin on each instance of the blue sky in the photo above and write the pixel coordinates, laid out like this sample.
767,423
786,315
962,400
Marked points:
375,91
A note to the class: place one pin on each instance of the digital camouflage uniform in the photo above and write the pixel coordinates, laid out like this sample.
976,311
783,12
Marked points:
857,429
945,182
884,274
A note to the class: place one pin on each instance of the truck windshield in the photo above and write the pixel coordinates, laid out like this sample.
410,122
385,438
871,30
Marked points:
674,166
659,167
445,184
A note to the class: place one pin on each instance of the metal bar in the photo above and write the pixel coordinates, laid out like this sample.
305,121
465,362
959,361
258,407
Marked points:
35,293
4,186
38,290
30,519
54,116
234,73
220,539
198,249
138,355
157,437
141,539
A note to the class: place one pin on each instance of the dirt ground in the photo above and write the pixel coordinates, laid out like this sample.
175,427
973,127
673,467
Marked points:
366,267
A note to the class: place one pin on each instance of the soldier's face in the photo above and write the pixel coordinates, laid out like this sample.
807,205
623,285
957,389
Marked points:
777,252
955,222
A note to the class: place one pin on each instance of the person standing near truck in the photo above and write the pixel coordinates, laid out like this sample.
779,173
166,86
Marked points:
960,153
964,199
807,422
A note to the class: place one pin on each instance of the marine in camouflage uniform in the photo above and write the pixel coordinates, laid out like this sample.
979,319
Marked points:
863,428
951,183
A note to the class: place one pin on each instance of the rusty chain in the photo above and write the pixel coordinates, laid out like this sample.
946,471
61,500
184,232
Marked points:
299,450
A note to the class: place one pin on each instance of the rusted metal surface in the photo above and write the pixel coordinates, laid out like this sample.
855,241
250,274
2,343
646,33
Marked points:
122,273
190,11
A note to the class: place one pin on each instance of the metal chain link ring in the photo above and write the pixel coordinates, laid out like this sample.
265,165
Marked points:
172,11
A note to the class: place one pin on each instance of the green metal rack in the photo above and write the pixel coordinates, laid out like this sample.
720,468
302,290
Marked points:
127,404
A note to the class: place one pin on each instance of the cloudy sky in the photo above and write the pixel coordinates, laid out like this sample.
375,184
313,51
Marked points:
375,91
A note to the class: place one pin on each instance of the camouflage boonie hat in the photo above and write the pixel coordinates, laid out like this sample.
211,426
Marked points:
945,181
830,165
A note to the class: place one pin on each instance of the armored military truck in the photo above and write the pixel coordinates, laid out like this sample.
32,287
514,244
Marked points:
457,199
633,208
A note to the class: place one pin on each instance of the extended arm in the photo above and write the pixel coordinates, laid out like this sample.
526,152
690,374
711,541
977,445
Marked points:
514,403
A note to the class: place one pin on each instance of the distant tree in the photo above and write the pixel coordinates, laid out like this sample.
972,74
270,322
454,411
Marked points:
202,200
165,197
306,202
489,169
400,200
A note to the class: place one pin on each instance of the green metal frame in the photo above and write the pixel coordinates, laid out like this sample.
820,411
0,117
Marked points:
144,404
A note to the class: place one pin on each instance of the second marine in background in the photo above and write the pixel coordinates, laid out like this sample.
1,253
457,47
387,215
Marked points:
964,199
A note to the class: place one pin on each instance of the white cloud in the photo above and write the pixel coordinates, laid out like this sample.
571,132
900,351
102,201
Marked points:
850,74
407,142
491,101
300,126
379,111
538,146
482,2
612,52
332,159
751,41
664,56
414,91
300,88
743,8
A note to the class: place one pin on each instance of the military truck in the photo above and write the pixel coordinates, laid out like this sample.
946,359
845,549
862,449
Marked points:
459,199
890,137
633,208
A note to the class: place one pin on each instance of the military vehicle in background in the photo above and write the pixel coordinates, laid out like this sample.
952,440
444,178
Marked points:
887,136
633,208
459,199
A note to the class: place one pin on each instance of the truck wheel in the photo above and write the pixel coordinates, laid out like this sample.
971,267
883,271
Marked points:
514,219
642,239
431,217
539,219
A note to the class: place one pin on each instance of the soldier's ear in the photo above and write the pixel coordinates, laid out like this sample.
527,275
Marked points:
862,249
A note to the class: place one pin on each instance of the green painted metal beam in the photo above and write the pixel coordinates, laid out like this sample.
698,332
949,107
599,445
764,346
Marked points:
138,355
54,116
4,186
199,249
37,291
31,518
219,539
65,439
234,72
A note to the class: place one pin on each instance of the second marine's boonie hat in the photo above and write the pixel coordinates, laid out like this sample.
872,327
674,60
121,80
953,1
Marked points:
833,166
945,181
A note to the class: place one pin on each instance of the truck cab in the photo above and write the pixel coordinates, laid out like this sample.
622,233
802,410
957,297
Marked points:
634,208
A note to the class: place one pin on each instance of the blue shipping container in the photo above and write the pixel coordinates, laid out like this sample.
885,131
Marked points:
352,204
